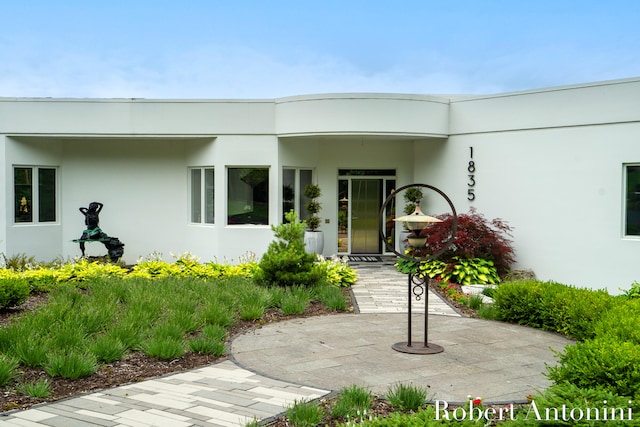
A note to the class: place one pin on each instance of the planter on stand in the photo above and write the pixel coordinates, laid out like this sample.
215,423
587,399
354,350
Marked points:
313,237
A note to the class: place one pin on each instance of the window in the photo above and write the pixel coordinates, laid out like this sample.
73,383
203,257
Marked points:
34,191
632,202
293,183
202,195
248,196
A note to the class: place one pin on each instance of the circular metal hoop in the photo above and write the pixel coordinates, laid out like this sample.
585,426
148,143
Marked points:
418,286
454,228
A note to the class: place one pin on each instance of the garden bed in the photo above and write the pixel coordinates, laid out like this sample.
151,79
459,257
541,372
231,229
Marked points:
453,302
135,367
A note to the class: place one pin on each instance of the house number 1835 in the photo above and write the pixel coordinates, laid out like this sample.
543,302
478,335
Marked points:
471,168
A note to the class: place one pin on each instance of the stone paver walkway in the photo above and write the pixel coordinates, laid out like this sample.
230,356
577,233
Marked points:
223,394
304,359
382,289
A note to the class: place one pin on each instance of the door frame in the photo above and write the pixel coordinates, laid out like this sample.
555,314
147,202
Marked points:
345,199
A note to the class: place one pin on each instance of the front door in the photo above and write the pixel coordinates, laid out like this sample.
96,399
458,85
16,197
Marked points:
359,200
365,224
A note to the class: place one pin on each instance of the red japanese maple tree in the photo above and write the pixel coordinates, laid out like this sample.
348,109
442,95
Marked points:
477,237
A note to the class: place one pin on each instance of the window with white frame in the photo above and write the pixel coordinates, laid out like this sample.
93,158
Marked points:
294,180
34,189
632,200
248,195
202,195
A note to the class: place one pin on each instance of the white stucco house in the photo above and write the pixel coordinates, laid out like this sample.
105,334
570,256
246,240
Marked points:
560,165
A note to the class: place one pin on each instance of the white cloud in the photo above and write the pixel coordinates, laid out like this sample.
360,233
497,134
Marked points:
214,71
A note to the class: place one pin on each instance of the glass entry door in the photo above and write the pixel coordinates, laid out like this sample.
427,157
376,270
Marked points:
365,224
359,200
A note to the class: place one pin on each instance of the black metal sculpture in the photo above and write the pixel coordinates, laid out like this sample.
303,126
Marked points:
418,285
93,233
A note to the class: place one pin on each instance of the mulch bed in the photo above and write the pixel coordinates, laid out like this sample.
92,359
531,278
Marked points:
460,308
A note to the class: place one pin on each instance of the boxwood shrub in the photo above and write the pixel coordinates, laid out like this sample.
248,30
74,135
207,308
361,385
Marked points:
601,362
607,354
552,306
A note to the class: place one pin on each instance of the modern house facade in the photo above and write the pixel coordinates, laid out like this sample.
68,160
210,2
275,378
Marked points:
560,165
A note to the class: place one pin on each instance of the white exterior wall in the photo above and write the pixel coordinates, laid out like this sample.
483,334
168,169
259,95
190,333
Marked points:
5,195
363,114
138,201
39,240
549,162
133,156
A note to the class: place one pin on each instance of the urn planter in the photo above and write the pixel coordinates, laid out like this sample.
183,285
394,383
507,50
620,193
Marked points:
314,241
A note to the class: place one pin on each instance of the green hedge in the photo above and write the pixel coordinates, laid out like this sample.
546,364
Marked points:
606,355
600,362
552,307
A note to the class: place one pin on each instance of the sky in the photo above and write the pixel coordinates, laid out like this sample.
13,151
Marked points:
264,49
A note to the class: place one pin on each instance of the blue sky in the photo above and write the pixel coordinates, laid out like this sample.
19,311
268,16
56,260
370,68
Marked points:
276,48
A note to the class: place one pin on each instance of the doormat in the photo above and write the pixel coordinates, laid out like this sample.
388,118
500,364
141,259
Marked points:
364,258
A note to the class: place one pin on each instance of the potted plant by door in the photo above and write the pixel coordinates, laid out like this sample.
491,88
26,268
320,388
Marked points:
313,237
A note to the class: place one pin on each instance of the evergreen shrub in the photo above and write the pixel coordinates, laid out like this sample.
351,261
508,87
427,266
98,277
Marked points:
591,401
601,362
426,417
286,263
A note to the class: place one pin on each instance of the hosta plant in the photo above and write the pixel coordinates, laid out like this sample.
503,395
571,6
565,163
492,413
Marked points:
336,271
462,271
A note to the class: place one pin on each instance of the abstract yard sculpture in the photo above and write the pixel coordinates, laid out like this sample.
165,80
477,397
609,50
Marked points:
93,233
418,285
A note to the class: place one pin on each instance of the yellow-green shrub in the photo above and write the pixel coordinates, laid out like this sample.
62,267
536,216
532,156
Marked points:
336,271
41,279
154,269
9,274
84,270
246,269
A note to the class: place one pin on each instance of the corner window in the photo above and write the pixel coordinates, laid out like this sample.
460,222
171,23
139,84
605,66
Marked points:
248,196
34,194
202,195
293,183
632,201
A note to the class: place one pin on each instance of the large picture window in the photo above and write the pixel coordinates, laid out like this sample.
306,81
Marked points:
293,183
34,194
632,202
248,196
202,195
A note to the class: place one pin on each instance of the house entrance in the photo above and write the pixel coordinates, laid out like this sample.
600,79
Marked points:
360,196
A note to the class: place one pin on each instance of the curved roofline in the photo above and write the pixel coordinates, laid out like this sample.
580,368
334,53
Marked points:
363,96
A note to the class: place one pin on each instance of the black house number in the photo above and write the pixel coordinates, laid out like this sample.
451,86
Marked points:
471,169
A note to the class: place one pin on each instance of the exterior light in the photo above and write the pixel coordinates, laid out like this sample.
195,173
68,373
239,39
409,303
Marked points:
416,222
